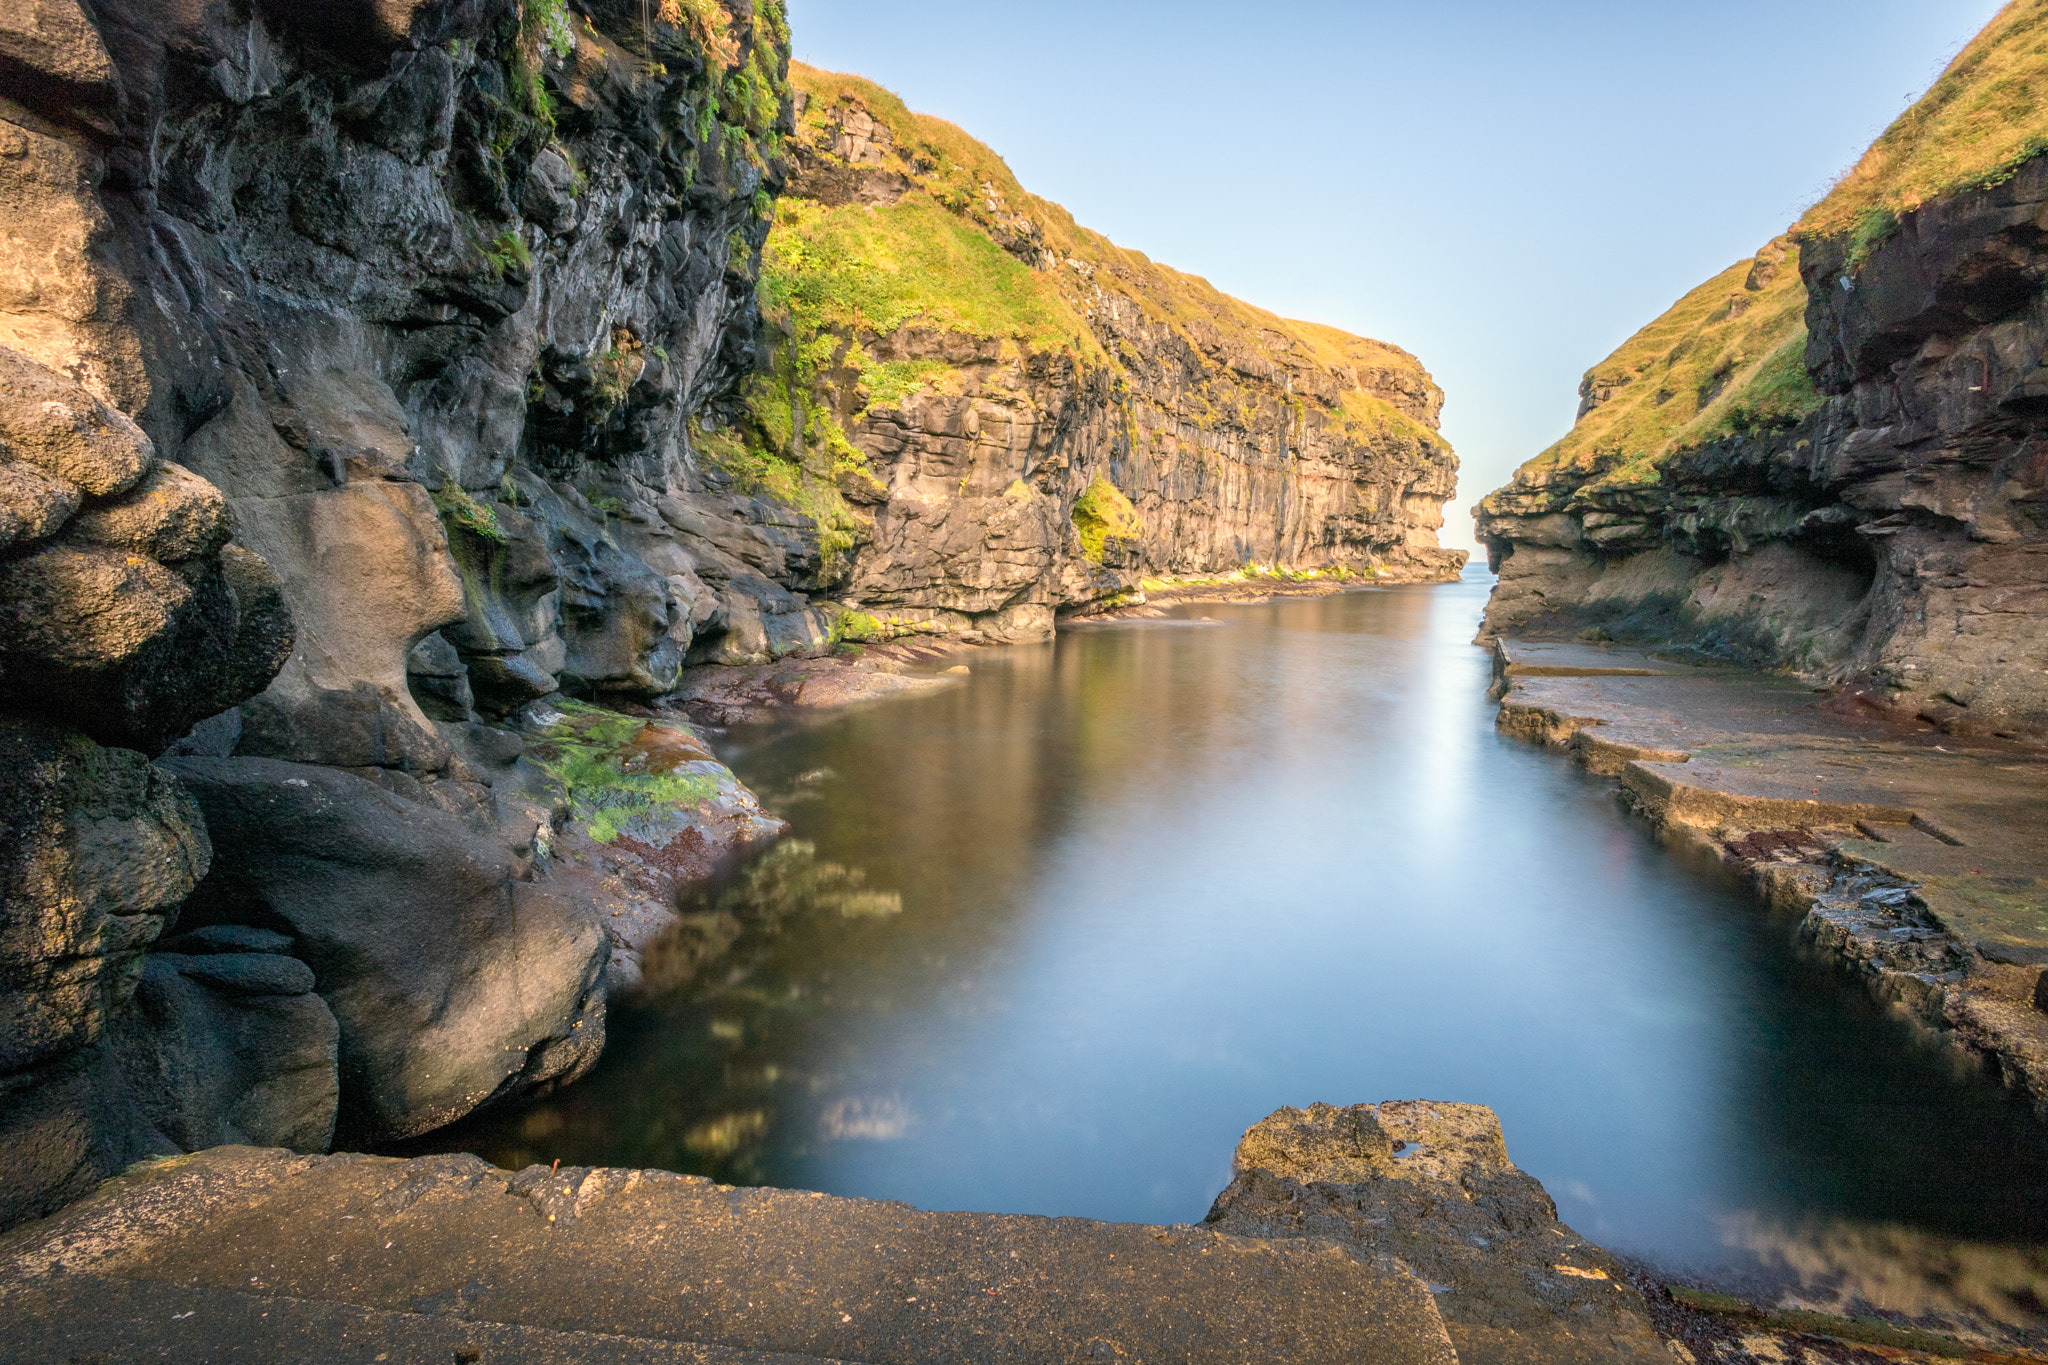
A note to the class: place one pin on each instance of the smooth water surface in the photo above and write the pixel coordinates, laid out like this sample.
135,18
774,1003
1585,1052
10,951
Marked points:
1049,941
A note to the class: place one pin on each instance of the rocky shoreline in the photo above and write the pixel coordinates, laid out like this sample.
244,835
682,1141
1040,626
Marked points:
1915,858
1408,1214
1399,1232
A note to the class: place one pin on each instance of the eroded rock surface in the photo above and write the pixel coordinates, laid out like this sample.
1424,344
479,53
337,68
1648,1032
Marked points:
1430,1184
1894,538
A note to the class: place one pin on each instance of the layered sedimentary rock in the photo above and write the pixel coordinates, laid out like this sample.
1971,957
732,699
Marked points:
1830,459
998,415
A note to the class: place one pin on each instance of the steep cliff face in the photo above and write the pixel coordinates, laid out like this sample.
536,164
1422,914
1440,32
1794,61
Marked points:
325,331
1840,470
956,365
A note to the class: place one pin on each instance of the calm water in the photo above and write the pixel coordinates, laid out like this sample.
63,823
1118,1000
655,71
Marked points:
1050,941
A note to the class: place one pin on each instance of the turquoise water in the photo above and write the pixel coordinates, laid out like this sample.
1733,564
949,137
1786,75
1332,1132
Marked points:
1049,941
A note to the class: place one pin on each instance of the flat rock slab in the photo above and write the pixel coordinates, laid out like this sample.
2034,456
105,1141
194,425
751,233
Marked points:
1570,659
1724,750
74,1319
639,1257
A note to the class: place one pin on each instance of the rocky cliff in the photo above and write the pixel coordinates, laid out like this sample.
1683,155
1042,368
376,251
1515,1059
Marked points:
1829,459
389,416
324,334
998,415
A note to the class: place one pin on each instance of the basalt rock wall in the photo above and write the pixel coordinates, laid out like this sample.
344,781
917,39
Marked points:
1894,539
345,355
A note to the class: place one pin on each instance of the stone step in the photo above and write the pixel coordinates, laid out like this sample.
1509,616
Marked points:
646,1257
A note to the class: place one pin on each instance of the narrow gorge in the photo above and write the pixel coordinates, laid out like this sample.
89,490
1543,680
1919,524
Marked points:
649,713
389,393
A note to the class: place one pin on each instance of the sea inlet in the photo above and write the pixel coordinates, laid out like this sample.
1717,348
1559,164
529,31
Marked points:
1049,941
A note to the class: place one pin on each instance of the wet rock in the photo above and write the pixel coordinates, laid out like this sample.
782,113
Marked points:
643,812
453,984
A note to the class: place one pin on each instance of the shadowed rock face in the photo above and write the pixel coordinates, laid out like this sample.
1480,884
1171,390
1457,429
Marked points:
1896,540
452,981
294,287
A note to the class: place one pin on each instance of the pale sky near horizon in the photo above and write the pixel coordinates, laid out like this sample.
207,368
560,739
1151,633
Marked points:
1507,190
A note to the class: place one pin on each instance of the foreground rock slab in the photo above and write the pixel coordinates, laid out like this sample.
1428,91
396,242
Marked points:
1918,858
1430,1183
350,1255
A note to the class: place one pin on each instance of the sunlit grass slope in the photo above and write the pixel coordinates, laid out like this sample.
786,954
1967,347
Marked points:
1728,358
1986,115
967,251
938,258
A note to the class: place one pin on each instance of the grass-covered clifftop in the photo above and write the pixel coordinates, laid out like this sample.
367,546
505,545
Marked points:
874,267
1985,116
1729,357
906,264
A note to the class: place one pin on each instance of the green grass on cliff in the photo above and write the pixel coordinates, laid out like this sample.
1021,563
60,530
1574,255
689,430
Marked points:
960,284
1986,115
1102,513
1701,371
855,270
1725,359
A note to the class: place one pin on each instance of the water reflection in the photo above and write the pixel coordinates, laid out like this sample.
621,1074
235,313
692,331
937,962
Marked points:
1050,941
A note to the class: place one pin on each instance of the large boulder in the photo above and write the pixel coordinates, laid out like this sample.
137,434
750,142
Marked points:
454,983
1430,1183
124,610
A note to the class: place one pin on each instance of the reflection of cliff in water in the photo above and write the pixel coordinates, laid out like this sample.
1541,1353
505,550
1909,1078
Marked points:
728,1003
1156,879
1841,1266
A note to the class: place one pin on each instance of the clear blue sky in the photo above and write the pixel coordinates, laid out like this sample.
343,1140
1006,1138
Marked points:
1506,189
